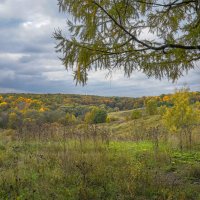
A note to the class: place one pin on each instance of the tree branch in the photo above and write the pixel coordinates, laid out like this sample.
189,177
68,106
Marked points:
162,47
174,3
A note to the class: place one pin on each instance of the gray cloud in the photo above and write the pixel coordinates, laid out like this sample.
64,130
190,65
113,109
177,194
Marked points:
28,62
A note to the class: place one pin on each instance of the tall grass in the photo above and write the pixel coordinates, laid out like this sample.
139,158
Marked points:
74,164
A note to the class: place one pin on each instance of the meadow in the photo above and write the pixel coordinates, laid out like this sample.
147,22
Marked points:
125,158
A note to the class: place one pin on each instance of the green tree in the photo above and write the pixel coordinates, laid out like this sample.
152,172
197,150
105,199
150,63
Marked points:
160,38
182,117
52,116
100,116
96,116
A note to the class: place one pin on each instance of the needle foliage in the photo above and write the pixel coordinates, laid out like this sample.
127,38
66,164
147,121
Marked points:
159,38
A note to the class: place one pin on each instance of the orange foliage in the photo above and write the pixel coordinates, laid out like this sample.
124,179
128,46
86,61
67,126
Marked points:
166,98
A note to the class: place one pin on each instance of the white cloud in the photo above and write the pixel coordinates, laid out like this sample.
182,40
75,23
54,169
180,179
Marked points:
29,62
35,24
147,35
56,75
11,90
6,75
11,56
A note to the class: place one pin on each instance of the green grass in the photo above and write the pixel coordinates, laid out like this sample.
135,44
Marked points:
126,168
37,169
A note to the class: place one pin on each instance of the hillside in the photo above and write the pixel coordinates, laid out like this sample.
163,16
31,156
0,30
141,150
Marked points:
47,152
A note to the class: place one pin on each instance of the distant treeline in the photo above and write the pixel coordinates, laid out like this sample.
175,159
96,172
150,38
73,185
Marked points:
17,110
69,101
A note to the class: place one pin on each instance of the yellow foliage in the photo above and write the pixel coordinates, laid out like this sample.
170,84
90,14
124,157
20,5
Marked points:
182,114
43,109
11,97
3,105
166,98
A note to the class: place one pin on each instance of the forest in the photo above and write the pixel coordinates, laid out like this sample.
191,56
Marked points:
89,147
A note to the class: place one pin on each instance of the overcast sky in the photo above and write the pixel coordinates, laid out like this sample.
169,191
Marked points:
28,62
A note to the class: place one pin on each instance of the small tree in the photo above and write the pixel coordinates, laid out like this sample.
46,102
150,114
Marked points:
182,117
100,116
96,116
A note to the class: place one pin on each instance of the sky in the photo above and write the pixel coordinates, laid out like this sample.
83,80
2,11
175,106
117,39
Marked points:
29,63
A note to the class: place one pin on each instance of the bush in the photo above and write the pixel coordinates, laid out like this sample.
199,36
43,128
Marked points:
100,116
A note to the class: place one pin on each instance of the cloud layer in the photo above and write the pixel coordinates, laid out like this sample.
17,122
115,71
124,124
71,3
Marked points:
28,62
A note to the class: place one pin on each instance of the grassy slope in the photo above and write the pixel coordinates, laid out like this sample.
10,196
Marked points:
123,170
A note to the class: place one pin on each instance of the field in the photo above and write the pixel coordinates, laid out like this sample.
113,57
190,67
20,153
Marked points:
121,159
66,166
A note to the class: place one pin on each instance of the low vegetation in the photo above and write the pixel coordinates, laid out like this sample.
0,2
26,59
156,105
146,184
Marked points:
132,154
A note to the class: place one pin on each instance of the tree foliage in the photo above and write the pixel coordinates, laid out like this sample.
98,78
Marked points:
159,38
96,116
183,116
69,109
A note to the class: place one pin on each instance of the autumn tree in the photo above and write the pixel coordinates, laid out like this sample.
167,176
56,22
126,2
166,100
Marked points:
182,117
160,38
